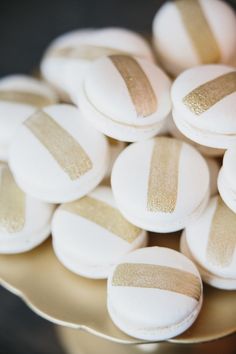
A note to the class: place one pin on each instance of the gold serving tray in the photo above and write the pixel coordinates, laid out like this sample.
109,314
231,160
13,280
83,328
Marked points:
66,299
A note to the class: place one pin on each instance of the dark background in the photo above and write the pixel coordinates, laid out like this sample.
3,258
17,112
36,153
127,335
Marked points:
26,28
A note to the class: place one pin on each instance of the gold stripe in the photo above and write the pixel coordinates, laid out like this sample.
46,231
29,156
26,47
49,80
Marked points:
163,175
83,52
199,31
222,238
152,276
208,94
138,85
30,98
62,146
104,215
12,204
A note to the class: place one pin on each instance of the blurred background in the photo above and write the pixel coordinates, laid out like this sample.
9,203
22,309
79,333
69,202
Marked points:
26,28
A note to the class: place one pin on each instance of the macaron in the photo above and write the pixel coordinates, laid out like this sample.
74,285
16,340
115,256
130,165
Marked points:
204,102
124,97
25,222
201,32
56,156
227,179
20,96
90,235
154,293
68,56
210,242
204,150
160,184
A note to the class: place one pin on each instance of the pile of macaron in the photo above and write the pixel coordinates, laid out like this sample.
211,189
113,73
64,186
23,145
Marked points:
107,146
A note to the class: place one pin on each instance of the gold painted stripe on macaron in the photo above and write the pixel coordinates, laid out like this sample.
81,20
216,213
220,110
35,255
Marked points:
137,83
30,98
199,31
207,95
60,144
83,52
12,203
163,175
140,275
105,216
222,239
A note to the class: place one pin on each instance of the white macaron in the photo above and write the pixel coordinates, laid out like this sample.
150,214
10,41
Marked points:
227,179
58,157
201,32
90,235
204,150
210,242
124,97
154,293
25,222
68,56
20,96
204,104
160,184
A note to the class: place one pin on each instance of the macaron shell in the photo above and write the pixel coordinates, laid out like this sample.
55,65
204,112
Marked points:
153,313
108,92
207,277
200,238
25,223
131,192
227,194
209,121
103,245
47,179
13,113
172,41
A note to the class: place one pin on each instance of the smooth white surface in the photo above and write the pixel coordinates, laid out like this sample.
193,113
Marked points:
66,73
39,174
87,248
204,150
12,114
215,127
36,229
227,179
153,314
104,100
129,181
208,277
197,235
174,45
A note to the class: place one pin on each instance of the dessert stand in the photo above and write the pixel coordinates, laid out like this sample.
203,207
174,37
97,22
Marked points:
78,303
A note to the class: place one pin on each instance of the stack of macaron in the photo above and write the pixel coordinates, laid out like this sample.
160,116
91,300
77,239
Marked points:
106,148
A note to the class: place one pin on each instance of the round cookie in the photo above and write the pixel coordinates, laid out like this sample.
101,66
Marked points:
227,179
154,293
204,150
124,97
20,96
160,184
25,222
90,235
56,156
210,242
204,101
68,57
204,30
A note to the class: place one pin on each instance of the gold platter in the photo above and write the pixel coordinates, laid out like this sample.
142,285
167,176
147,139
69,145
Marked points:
72,301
